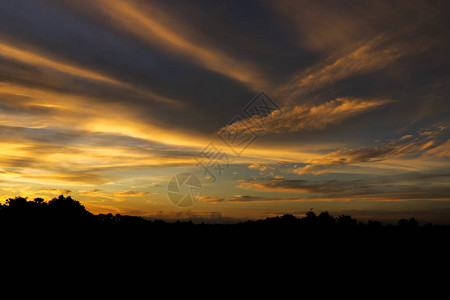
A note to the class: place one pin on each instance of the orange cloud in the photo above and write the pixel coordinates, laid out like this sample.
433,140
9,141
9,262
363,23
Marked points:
384,188
35,58
55,191
364,37
87,114
47,60
305,117
416,146
371,56
441,151
52,137
131,194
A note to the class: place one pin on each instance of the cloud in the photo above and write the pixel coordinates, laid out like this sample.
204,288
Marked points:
152,25
245,198
292,185
52,135
263,168
55,191
424,143
364,37
89,192
30,61
388,187
211,199
406,137
233,199
131,194
68,177
372,56
441,151
41,107
34,58
305,117
353,21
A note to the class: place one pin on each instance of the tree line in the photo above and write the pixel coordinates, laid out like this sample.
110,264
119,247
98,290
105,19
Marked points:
68,211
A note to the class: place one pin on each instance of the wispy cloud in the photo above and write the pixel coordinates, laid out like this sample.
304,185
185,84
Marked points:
372,56
441,151
306,117
49,63
33,58
365,37
233,199
89,192
280,183
55,109
131,194
389,188
310,21
425,143
150,24
55,191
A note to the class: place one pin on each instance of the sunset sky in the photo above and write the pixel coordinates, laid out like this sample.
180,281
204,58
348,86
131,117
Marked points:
107,100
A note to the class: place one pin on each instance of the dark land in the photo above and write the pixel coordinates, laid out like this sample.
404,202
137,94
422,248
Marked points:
66,213
63,230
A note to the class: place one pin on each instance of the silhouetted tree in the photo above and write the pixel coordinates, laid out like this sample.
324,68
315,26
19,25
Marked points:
409,224
118,218
346,221
374,225
17,202
325,219
310,215
289,219
38,200
67,206
41,216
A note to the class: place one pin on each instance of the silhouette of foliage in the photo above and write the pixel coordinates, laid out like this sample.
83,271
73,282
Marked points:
19,211
66,212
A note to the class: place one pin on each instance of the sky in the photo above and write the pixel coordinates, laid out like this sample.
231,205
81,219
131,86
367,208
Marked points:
274,106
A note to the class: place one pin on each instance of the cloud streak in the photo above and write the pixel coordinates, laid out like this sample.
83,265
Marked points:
388,188
305,117
33,58
153,26
372,56
425,143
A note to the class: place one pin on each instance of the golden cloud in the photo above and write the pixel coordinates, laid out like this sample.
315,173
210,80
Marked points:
422,144
305,117
131,194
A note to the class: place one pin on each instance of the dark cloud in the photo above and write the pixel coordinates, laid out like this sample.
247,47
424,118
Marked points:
234,199
297,185
395,187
